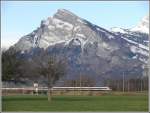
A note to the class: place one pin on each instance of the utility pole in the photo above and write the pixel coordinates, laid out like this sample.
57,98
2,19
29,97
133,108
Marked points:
123,82
141,84
80,82
128,85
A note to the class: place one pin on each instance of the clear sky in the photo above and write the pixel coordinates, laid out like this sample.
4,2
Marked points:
19,18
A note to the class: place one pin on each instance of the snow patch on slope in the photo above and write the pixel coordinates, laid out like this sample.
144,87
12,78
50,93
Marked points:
140,45
135,49
117,29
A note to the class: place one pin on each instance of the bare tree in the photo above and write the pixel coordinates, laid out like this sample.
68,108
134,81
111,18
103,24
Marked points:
52,69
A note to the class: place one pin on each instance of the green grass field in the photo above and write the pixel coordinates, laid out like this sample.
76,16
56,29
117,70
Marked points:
75,103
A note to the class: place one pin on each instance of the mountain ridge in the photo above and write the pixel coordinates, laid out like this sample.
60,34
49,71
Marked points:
89,48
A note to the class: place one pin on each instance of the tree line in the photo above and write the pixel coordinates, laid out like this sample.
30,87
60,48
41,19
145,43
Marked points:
17,68
129,85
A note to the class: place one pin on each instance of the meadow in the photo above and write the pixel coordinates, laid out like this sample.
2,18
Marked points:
109,102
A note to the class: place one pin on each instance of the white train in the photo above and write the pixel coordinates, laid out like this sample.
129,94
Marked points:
62,88
82,88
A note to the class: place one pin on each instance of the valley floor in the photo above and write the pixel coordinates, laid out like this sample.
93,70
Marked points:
109,102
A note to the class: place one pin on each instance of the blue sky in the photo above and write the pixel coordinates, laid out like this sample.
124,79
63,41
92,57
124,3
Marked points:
19,18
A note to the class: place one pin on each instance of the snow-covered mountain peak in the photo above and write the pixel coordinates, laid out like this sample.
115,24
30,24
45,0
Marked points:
65,15
61,16
64,11
142,26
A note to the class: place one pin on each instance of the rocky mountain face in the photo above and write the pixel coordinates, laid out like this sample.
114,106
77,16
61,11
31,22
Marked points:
90,49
